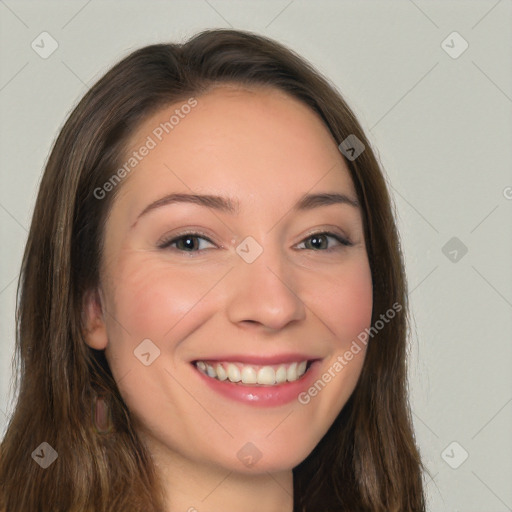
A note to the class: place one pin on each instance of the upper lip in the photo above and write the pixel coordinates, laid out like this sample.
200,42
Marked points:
260,360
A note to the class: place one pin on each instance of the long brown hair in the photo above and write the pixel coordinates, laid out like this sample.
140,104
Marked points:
367,461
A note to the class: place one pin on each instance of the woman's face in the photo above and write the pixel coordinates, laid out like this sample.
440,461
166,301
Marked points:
216,260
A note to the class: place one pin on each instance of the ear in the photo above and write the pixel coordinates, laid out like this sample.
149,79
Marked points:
93,320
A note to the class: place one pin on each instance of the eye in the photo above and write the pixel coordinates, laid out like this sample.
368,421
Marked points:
187,242
191,242
319,241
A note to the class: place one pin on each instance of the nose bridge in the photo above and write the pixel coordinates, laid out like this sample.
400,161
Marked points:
262,288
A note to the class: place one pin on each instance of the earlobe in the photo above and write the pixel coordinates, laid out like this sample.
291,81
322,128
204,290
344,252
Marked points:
93,323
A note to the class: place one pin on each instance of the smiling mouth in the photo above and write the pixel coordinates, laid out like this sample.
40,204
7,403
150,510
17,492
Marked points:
250,374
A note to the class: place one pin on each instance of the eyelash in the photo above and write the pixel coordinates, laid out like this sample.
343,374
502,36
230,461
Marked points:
165,244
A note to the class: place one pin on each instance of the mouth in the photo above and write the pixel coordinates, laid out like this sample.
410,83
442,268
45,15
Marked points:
243,374
258,381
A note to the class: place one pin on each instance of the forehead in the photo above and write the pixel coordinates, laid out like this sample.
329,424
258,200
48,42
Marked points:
245,143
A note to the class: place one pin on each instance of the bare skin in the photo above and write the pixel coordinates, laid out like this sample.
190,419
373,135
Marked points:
197,298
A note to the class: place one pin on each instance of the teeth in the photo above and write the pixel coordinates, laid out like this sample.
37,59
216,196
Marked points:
281,374
267,375
292,372
233,373
251,374
221,373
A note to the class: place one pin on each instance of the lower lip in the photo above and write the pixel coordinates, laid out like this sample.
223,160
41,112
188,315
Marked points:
263,396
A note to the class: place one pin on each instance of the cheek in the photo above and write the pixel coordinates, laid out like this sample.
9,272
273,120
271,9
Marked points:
157,301
154,300
152,297
345,301
345,308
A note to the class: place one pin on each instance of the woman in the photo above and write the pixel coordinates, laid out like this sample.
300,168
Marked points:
212,310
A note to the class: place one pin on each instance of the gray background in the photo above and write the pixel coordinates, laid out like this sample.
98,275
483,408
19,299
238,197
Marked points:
442,127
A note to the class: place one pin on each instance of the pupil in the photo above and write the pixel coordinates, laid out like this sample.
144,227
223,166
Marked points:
316,240
188,242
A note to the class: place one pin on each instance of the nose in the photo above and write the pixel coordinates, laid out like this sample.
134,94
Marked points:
261,293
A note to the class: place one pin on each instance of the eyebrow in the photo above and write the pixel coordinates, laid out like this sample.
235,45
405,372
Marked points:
231,206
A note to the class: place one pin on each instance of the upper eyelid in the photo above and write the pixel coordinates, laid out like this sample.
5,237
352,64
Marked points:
166,241
341,238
